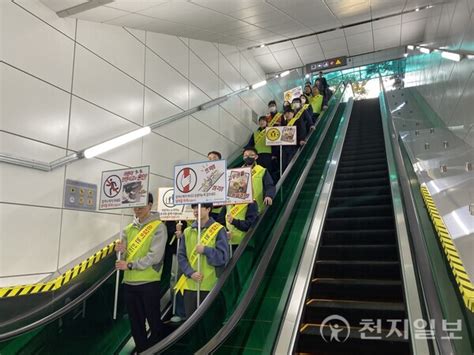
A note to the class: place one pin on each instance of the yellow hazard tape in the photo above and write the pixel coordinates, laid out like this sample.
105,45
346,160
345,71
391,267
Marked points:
61,280
462,278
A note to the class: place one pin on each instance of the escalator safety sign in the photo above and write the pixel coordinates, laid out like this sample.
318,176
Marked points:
285,135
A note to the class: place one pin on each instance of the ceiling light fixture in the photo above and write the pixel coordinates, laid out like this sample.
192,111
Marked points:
417,9
307,76
116,142
425,50
262,45
285,73
405,55
411,47
259,84
451,56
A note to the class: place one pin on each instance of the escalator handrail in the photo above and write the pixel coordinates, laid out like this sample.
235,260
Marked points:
420,251
60,312
231,323
199,313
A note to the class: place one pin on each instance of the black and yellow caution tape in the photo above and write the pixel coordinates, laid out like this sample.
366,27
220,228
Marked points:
466,288
58,282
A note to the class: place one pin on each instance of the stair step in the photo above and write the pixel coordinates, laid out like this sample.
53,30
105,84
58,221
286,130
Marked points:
357,289
361,191
358,252
361,162
357,269
362,175
361,236
349,223
390,314
362,182
360,201
360,211
361,169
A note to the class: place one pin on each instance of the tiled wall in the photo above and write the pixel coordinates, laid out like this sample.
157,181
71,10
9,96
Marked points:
67,85
448,86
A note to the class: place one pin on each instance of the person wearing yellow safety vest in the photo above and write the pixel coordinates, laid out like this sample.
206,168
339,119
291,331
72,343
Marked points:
258,141
143,249
262,182
273,117
316,102
239,218
290,119
213,250
303,114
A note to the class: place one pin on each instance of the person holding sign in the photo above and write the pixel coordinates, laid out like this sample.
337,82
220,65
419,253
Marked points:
142,252
215,155
302,113
257,140
213,249
262,182
290,119
239,218
273,118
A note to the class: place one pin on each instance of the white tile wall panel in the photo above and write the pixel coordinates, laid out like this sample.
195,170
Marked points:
83,231
232,129
210,117
22,280
42,239
288,58
178,131
224,89
135,5
36,47
166,81
28,186
207,52
65,25
100,14
413,32
171,49
197,96
157,107
95,80
162,154
197,131
91,125
115,45
228,73
135,21
155,183
139,34
33,108
203,77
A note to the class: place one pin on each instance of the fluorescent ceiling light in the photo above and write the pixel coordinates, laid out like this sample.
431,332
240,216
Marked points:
405,55
259,84
411,47
116,142
417,9
285,73
451,56
262,45
470,56
307,76
425,50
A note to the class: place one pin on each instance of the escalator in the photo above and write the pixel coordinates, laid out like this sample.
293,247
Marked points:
357,270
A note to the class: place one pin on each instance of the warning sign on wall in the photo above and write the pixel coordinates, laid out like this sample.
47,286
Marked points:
124,188
203,182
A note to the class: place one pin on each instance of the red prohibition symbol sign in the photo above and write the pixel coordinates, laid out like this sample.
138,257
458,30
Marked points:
186,180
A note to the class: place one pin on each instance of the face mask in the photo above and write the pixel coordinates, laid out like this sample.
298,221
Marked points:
249,160
296,106
273,109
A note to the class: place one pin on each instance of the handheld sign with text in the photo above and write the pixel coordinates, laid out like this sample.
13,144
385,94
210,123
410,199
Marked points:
202,182
289,95
168,210
282,135
239,186
124,188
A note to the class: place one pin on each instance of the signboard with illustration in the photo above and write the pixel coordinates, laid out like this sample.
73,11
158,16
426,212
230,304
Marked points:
239,186
168,210
292,93
202,182
124,188
283,135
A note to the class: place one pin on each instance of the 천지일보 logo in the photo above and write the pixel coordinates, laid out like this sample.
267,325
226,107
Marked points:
335,328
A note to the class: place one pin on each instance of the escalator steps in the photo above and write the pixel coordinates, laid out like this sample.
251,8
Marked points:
357,269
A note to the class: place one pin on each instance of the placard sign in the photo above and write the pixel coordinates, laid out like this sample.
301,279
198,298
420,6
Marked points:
292,93
124,188
239,186
203,182
282,135
168,210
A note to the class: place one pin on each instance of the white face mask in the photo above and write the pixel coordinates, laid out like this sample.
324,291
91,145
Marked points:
272,109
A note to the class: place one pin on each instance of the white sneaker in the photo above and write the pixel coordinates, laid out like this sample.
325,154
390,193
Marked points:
176,319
